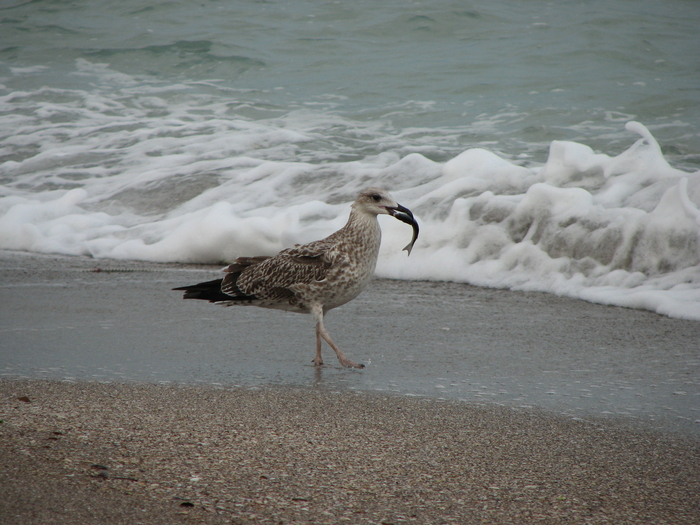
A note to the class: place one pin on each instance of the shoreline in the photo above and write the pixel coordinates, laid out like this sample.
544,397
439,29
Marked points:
130,453
103,320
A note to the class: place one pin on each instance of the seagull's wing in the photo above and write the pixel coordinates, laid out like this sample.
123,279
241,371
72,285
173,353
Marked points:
274,279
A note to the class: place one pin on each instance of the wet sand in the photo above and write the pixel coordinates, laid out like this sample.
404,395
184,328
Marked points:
61,318
137,453
121,403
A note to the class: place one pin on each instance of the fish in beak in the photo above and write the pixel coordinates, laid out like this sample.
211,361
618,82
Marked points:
404,215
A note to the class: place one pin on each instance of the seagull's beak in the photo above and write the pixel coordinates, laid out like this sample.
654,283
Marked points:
401,213
405,215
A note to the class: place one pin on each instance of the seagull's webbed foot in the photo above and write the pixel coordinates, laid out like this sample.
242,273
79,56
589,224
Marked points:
347,363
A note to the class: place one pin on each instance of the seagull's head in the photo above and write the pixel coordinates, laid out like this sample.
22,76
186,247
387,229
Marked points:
376,201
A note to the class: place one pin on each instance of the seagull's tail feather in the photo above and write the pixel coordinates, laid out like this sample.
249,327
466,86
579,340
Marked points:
223,290
208,291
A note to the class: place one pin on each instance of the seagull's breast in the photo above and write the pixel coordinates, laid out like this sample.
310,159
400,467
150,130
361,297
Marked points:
347,279
354,259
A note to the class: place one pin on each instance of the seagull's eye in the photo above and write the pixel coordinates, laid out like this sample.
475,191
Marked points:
376,197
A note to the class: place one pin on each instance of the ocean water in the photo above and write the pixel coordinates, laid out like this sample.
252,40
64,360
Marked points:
546,146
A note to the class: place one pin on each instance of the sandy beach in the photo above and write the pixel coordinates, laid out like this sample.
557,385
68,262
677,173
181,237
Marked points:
136,453
121,403
528,351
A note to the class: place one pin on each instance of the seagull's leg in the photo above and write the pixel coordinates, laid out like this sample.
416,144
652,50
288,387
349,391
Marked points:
318,360
341,356
321,330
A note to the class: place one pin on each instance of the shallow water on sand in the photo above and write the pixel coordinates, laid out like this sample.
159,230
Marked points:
62,320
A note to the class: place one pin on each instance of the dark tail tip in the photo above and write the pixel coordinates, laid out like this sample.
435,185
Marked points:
207,291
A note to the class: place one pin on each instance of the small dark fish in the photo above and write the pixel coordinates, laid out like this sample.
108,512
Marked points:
409,246
404,215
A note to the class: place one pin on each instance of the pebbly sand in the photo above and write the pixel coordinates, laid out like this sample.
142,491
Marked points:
139,453
121,403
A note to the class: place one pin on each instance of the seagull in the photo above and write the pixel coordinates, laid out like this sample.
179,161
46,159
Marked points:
312,278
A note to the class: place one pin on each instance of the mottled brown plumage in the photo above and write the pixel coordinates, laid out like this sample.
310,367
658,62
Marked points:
315,277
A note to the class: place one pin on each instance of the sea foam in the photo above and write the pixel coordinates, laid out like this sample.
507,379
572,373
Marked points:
618,230
126,179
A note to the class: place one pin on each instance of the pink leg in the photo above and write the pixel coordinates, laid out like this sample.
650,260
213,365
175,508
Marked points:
318,360
321,332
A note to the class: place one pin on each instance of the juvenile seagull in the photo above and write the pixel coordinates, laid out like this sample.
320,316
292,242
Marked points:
315,277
